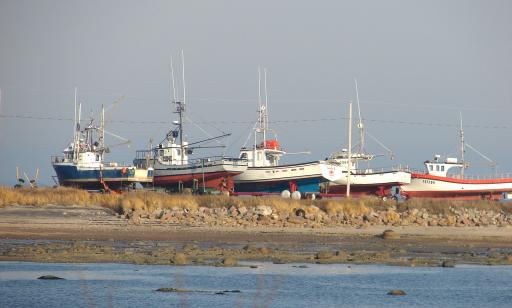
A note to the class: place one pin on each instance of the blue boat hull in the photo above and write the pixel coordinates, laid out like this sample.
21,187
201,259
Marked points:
310,185
92,178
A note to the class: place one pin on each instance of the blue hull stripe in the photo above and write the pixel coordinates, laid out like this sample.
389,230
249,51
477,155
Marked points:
303,185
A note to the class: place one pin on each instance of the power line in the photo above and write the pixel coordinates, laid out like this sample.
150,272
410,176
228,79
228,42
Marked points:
398,122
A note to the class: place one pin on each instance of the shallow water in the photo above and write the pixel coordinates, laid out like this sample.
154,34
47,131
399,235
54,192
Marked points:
270,285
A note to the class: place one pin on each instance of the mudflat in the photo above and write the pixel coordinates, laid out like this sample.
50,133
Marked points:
97,234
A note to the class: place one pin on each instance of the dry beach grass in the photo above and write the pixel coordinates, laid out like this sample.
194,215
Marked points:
149,201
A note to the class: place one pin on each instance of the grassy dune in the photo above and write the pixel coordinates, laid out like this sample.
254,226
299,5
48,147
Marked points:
149,201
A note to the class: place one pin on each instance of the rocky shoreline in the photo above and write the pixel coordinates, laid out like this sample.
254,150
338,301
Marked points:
313,217
227,236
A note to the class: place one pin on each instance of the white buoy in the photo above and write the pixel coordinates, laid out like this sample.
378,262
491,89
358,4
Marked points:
285,194
296,195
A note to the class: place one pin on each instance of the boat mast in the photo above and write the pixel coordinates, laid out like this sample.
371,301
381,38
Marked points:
102,130
360,123
180,106
462,147
74,132
259,111
349,148
265,114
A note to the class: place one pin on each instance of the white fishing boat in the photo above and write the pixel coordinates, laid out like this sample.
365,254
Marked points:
265,174
364,181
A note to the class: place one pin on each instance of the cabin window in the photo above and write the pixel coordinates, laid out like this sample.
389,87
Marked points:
442,168
431,167
161,152
243,156
437,168
97,157
179,152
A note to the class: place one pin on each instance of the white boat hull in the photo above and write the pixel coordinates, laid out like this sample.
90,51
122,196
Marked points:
372,183
430,186
305,177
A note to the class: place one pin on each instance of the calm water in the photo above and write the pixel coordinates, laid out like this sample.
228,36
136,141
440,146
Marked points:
271,285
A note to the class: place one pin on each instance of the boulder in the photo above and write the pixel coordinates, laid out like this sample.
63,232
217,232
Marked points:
173,290
50,277
448,263
229,261
390,234
322,255
179,259
190,247
264,250
397,292
263,210
250,247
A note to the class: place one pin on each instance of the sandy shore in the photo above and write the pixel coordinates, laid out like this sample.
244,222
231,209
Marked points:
74,234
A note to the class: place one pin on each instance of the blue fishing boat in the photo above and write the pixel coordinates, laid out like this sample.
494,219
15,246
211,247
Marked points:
83,165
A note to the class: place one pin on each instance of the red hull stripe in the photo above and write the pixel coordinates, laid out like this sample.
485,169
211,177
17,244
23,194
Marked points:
460,181
456,194
172,179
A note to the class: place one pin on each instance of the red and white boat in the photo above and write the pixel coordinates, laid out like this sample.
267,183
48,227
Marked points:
436,182
174,171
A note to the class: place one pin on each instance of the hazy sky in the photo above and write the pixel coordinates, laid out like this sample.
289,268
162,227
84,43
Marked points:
418,63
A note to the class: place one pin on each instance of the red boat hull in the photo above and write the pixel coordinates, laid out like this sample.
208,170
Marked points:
382,190
220,180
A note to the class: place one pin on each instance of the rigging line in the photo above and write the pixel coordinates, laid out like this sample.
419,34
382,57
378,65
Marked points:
481,154
241,135
206,122
250,133
200,128
379,143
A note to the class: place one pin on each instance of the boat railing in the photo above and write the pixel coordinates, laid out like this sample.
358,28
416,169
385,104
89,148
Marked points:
212,160
506,175
144,154
58,159
395,168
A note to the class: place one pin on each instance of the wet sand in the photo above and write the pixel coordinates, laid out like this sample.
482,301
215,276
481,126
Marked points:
74,234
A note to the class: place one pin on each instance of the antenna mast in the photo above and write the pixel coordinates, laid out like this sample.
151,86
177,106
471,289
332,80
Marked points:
102,127
173,85
181,106
360,123
259,111
349,166
74,130
265,113
462,147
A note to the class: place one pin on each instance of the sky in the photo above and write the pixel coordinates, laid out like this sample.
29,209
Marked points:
419,64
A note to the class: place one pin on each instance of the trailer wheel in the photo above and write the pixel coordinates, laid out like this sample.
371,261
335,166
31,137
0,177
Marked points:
310,196
300,212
